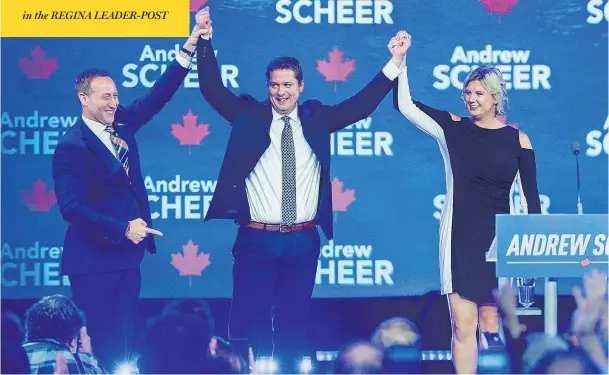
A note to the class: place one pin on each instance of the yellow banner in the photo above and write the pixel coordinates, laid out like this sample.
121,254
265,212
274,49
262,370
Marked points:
108,18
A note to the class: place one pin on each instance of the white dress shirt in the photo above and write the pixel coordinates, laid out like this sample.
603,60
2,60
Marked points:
264,184
99,129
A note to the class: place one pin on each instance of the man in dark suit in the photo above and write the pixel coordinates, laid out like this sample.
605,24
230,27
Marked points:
101,194
275,183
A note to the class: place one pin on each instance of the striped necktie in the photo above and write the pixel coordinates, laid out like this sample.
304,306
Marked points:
121,147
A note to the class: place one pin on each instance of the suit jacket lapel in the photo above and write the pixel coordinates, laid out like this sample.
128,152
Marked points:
306,119
267,119
309,129
100,150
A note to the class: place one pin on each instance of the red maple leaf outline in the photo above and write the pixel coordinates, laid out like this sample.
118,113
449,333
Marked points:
190,134
499,7
37,67
585,262
38,199
341,198
335,69
195,5
196,262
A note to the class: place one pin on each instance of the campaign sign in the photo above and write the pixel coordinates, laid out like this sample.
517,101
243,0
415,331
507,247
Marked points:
551,245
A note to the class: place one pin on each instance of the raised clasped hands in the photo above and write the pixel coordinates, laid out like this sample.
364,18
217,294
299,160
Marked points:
398,46
203,21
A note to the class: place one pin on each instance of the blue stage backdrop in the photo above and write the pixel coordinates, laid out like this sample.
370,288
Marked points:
388,177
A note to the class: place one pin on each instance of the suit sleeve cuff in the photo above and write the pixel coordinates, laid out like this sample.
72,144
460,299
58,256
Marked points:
391,71
183,62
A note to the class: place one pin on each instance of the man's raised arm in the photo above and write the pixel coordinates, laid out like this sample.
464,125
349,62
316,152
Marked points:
227,104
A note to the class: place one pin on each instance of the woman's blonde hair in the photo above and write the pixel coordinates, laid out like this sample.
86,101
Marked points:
492,80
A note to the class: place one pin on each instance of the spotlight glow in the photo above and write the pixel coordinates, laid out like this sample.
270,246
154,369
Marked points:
126,369
266,365
306,365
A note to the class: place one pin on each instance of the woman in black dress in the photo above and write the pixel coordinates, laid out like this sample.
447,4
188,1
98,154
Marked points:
482,157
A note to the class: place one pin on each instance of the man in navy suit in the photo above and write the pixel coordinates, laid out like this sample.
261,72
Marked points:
101,194
275,183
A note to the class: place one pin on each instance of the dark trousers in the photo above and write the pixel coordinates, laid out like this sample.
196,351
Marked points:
109,301
273,280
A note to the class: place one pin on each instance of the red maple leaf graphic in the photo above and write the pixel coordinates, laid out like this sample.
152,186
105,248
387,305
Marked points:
341,198
190,134
195,5
586,262
335,69
38,199
499,6
190,264
38,67
503,119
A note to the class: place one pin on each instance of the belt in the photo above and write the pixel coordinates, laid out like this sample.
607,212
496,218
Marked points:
279,227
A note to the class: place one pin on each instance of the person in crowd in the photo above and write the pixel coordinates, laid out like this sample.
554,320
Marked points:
56,339
359,357
401,343
178,343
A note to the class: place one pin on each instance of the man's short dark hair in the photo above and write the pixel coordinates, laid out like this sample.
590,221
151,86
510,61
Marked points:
285,62
174,343
195,306
82,83
53,317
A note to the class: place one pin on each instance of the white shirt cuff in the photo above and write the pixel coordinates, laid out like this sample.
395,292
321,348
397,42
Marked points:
182,61
391,71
